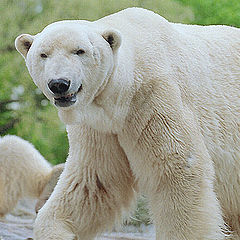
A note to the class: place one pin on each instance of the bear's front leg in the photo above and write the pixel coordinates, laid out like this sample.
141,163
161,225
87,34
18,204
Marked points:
184,204
94,189
173,168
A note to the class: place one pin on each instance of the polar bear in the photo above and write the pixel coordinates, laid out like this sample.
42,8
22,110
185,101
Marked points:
49,186
150,106
24,173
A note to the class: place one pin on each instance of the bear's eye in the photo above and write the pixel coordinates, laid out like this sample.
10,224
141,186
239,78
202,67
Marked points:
43,55
80,52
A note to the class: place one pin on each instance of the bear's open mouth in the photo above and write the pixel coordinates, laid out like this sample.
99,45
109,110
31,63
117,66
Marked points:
67,100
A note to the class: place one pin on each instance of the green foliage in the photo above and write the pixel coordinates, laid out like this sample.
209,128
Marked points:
18,16
141,214
215,11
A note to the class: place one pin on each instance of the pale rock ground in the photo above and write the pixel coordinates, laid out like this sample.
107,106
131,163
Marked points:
19,225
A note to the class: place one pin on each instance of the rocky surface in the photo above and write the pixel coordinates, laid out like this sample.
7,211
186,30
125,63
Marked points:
19,225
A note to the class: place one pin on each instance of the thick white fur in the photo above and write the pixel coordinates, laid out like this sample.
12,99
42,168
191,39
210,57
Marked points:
23,172
49,187
158,111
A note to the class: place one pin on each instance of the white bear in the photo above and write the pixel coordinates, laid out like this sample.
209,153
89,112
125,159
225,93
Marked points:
49,187
150,106
24,173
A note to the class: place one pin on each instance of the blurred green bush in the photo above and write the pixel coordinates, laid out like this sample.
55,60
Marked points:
215,11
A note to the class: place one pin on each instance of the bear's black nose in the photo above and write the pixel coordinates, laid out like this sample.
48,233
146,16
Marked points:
59,86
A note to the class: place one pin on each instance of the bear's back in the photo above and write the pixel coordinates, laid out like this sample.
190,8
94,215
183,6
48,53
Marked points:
203,61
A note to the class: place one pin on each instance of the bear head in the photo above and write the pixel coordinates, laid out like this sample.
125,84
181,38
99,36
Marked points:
71,62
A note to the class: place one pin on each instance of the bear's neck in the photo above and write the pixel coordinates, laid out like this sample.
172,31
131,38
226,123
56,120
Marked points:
114,101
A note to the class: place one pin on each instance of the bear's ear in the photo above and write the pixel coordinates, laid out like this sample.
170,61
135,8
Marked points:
113,38
23,43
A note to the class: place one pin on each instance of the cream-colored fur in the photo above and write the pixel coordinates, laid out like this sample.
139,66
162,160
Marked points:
24,173
49,187
157,110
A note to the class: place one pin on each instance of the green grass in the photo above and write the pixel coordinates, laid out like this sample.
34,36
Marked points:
141,214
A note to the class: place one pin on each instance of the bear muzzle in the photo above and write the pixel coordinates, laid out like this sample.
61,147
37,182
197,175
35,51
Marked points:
59,86
62,97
